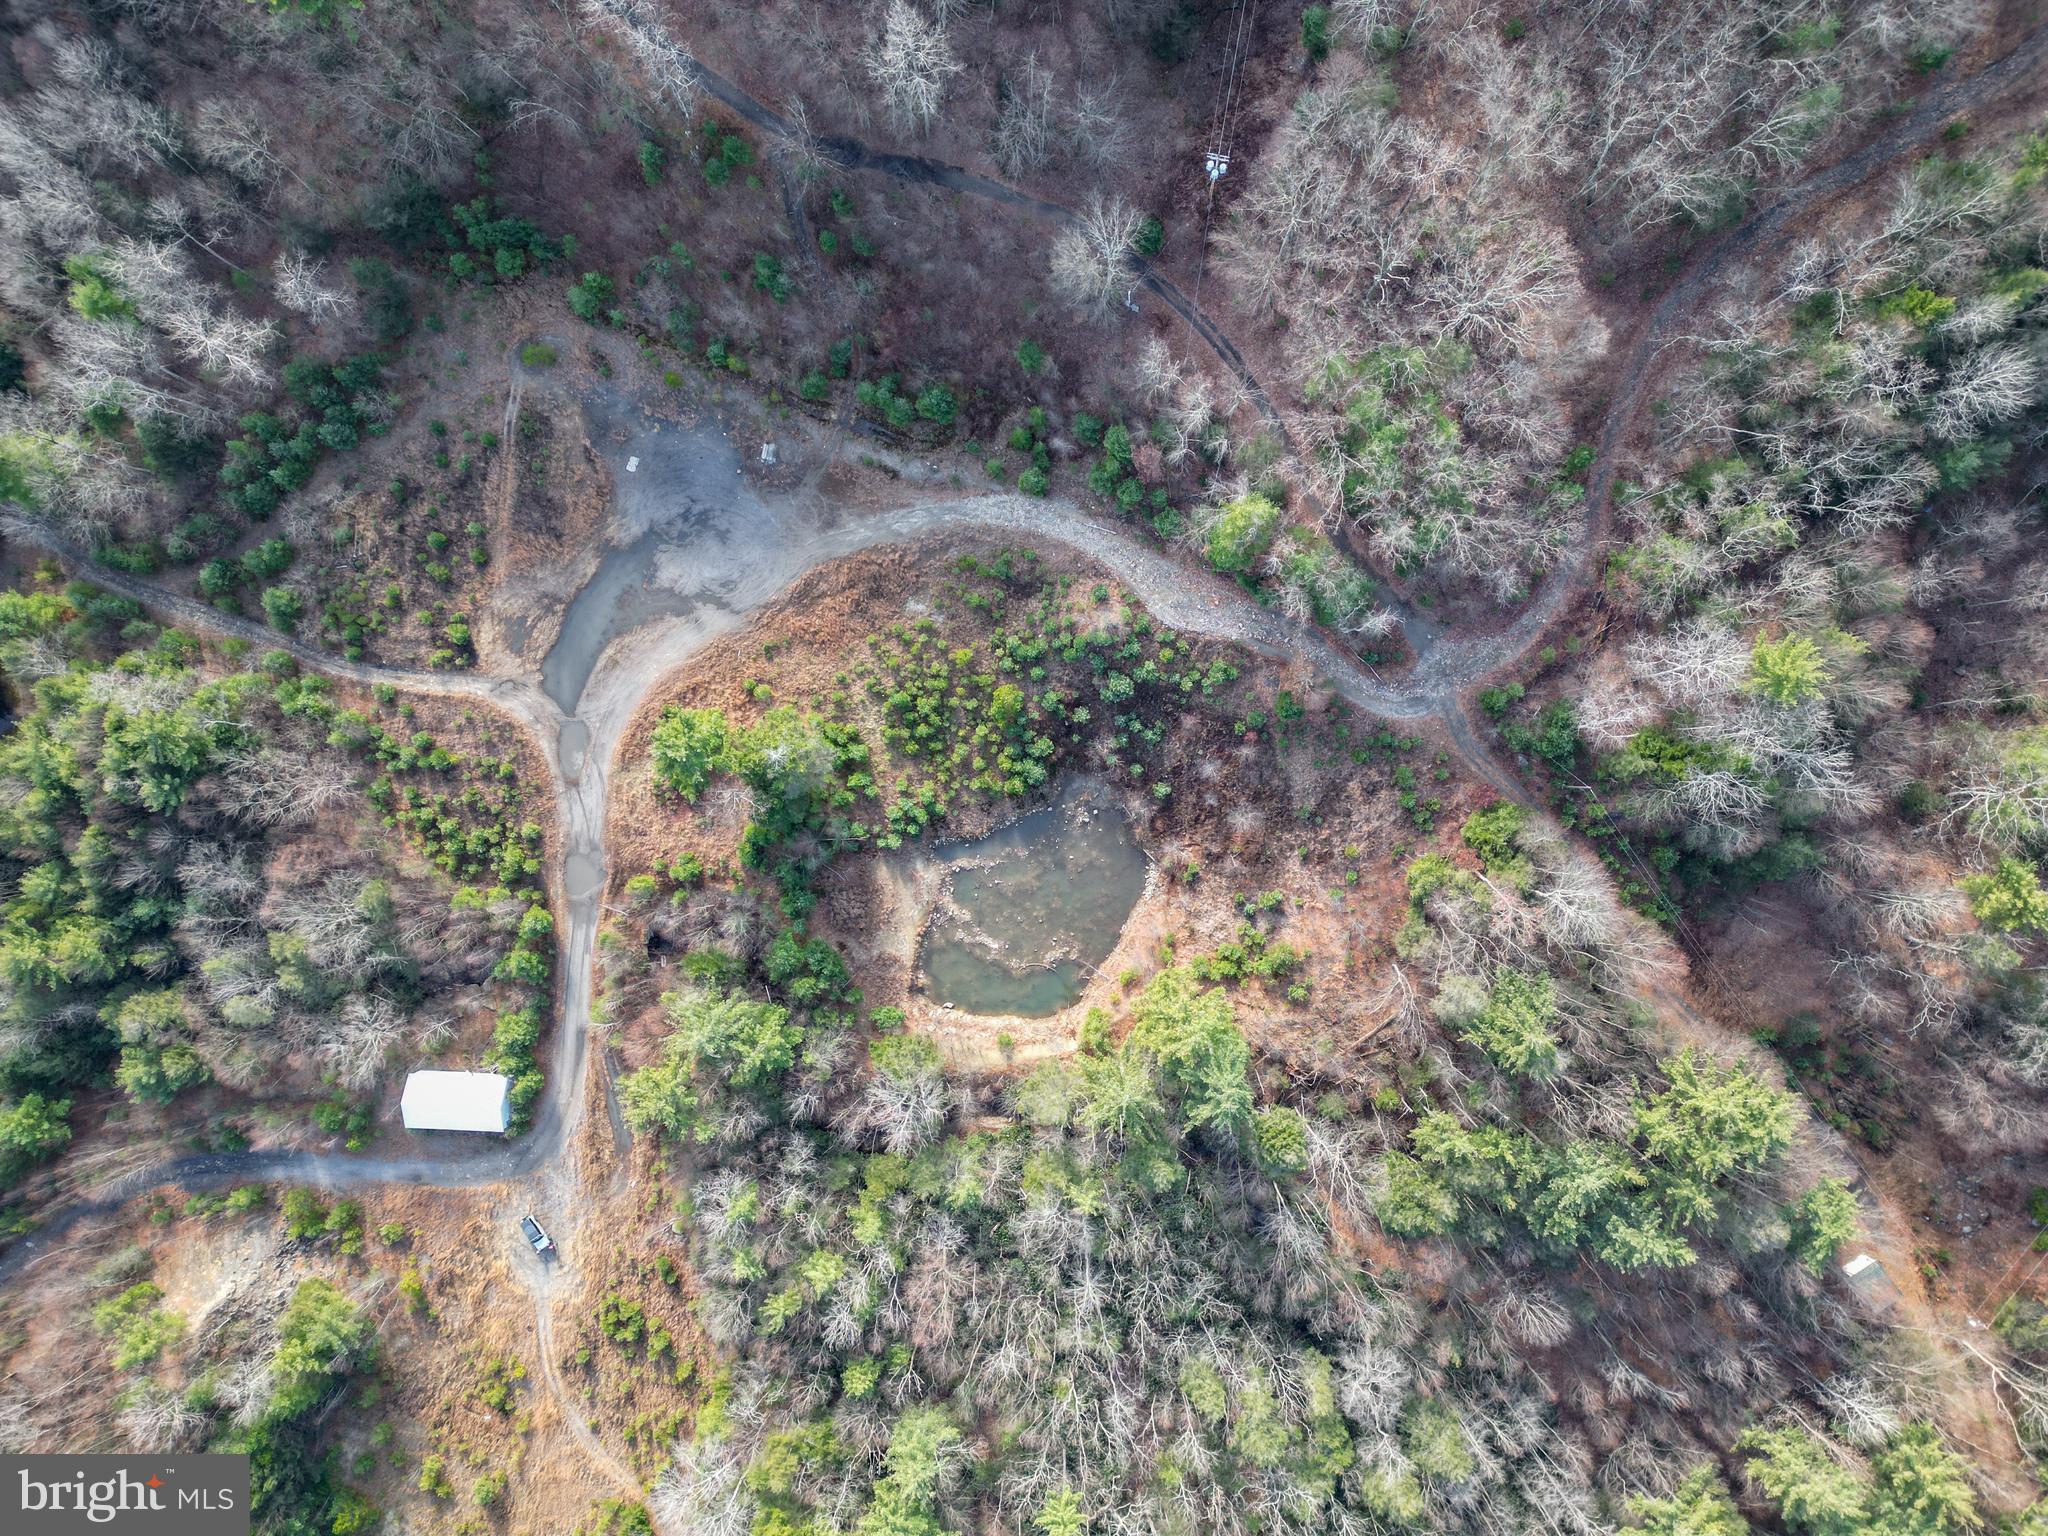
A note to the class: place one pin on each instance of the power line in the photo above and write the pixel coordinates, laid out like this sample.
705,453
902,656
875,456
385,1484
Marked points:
1230,92
1236,56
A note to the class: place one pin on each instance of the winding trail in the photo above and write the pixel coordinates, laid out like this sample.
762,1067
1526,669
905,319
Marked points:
1446,665
1475,659
579,748
579,743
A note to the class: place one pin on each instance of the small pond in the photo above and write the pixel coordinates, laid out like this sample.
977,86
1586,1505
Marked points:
1033,908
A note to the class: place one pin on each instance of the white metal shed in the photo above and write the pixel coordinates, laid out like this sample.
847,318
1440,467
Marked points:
457,1101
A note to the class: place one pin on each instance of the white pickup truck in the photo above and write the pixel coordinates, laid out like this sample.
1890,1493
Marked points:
537,1235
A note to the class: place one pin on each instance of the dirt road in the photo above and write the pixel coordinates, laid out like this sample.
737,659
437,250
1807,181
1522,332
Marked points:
580,744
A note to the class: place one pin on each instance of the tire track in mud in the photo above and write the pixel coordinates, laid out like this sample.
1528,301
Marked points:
191,613
593,1448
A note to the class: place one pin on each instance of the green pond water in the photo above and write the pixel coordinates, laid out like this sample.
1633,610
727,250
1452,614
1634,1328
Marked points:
1035,907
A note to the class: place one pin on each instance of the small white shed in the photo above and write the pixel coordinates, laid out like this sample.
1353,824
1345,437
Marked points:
457,1101
1870,1286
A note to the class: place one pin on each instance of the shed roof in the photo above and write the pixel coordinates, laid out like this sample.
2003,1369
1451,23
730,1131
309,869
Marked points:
457,1101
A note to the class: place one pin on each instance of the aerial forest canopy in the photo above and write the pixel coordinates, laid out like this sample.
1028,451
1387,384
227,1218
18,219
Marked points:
1168,767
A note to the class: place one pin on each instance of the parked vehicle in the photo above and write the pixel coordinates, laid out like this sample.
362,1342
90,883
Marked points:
537,1235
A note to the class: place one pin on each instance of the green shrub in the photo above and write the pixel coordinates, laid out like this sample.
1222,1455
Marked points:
1240,533
1786,670
1822,1219
321,1336
1921,306
618,1517
937,404
499,249
1698,1506
538,354
172,449
1497,701
305,1215
284,607
139,1328
387,304
1194,1036
750,1042
771,279
620,1319
33,1129
724,153
497,1382
1435,1440
352,1513
2009,899
1494,834
591,295
1315,32
434,1478
1514,1026
412,1289
688,746
1280,1139
93,293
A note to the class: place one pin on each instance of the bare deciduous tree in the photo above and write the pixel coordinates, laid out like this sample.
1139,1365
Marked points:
91,113
358,1043
1025,117
1993,383
667,64
903,1113
158,1419
159,280
301,287
233,137
803,149
2001,796
270,788
911,63
1091,257
342,920
1095,128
